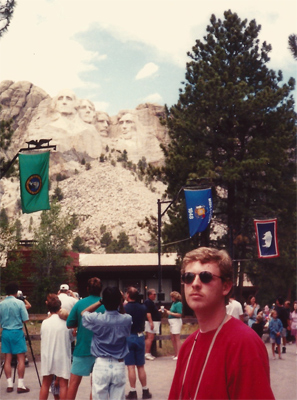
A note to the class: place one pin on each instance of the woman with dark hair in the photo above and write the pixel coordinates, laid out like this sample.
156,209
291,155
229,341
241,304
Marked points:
109,345
252,310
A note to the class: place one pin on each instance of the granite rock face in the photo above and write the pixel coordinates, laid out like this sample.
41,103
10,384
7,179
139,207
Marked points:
75,124
105,194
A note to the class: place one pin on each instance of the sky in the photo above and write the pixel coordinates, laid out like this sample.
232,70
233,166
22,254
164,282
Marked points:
122,53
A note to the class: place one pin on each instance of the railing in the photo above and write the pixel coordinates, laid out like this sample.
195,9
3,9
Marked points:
164,321
37,317
159,337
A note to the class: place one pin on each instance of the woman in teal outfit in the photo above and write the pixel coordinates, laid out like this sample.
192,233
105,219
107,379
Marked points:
252,309
175,321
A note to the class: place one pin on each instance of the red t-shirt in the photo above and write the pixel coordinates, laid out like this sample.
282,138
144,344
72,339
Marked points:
237,368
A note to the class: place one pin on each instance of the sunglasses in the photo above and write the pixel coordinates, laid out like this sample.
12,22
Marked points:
204,276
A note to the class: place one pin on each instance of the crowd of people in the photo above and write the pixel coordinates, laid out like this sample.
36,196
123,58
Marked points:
110,332
116,331
278,322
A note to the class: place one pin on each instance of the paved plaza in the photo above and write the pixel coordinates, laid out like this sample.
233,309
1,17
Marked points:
160,372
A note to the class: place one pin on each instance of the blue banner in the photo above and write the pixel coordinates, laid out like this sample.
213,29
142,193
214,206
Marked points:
266,234
199,209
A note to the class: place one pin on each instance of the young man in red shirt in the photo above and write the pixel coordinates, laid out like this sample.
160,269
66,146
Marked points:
224,359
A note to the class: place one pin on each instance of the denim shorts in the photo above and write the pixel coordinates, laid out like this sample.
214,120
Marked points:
13,341
109,379
82,366
136,346
276,340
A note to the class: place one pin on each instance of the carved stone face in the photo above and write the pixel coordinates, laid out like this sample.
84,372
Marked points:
18,98
127,123
66,102
102,124
86,111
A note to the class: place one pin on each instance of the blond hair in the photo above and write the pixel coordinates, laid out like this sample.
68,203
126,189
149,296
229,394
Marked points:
176,296
210,255
207,255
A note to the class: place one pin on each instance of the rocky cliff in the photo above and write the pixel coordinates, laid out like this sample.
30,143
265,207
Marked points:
104,193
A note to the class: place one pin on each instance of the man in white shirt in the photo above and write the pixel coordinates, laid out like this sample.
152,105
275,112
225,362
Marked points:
234,308
66,297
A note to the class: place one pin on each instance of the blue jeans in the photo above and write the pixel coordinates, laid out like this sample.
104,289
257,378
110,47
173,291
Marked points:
109,379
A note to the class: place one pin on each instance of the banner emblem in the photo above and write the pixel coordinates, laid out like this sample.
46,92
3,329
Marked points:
34,184
200,212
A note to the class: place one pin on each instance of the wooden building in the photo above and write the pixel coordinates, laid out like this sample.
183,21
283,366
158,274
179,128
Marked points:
133,269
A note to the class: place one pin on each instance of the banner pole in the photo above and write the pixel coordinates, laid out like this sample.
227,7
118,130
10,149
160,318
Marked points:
38,145
159,250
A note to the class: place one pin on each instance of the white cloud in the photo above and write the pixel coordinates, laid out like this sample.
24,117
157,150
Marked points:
41,47
153,98
101,105
45,53
148,70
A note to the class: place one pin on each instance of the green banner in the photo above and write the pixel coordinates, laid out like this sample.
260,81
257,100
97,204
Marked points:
34,181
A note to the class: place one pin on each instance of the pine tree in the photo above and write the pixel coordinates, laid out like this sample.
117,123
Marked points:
234,124
11,260
51,253
121,245
6,13
293,45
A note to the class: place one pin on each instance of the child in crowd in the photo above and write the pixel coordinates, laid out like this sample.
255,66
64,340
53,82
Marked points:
266,317
258,325
293,320
275,329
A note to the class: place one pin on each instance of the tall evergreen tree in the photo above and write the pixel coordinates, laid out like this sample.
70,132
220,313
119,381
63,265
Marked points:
234,124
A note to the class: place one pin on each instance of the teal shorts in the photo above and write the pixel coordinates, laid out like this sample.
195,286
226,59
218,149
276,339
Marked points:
82,366
13,341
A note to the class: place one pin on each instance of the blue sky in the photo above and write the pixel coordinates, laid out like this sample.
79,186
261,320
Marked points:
121,53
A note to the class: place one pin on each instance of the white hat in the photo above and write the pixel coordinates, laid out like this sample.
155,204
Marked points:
64,287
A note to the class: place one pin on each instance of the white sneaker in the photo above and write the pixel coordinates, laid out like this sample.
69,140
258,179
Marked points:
174,358
148,356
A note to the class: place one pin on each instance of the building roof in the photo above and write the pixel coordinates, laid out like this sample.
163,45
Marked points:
129,260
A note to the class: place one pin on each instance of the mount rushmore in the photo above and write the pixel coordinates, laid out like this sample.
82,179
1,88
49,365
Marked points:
81,132
75,124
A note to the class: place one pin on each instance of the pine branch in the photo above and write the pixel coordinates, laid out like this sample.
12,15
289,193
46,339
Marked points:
293,45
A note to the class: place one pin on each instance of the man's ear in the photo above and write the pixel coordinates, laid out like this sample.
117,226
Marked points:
227,286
